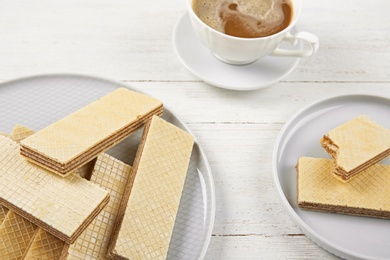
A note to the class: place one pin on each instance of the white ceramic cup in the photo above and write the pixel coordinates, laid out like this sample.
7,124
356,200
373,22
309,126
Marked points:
237,50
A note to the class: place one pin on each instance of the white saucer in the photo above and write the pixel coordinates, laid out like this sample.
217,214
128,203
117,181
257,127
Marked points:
202,63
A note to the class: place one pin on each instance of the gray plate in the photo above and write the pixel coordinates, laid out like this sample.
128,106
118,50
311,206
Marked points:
38,101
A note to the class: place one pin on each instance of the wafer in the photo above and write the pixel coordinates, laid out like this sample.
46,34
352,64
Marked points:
79,137
45,246
356,145
367,194
16,233
20,132
62,206
111,175
149,207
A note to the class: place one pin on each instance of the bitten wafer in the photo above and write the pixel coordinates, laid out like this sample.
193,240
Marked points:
367,194
16,233
356,145
153,193
111,175
79,137
63,206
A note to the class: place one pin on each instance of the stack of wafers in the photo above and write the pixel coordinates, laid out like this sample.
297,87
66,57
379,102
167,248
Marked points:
67,215
351,182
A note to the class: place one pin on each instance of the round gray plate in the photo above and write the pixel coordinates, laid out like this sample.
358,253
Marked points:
38,101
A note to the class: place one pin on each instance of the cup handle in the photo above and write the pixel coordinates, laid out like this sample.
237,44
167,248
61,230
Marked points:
310,39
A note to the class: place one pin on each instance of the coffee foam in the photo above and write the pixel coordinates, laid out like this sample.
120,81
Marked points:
258,16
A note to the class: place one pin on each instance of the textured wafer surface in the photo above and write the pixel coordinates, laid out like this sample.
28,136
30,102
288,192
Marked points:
79,132
3,213
16,233
62,206
160,170
20,132
3,210
366,194
45,246
111,175
358,141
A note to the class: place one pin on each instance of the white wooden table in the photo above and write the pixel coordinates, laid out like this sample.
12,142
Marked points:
131,41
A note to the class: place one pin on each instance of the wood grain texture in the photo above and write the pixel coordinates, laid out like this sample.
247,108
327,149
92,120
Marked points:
237,129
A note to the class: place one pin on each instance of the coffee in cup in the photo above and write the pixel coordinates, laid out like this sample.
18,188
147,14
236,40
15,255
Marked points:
242,31
245,18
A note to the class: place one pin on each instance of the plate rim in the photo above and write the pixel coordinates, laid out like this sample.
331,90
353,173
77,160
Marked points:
307,230
223,86
210,227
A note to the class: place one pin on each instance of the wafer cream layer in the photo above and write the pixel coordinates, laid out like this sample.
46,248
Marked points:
61,206
149,214
366,194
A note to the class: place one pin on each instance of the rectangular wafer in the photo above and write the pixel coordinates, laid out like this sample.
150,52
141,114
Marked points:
111,175
367,194
356,145
16,233
63,206
151,200
20,132
79,137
